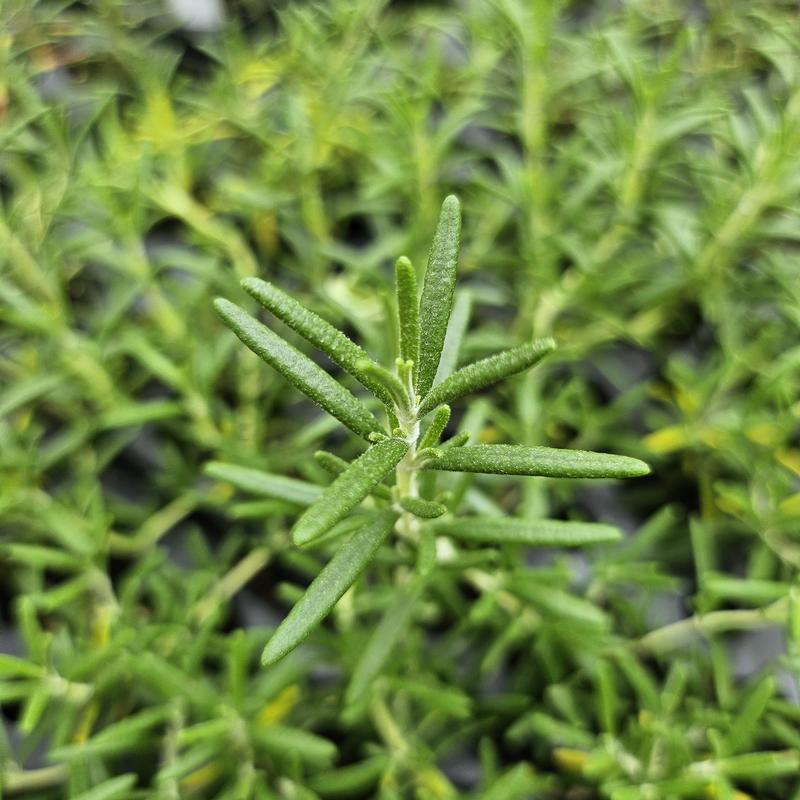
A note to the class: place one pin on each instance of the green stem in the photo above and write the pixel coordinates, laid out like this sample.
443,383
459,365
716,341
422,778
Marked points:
406,470
680,634
18,781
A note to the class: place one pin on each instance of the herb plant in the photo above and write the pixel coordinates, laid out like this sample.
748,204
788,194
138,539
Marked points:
415,389
629,178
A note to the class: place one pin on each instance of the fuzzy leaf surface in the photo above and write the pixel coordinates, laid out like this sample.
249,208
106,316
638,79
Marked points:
326,589
313,328
348,489
407,309
485,372
456,331
534,532
550,462
299,370
425,509
439,422
437,292
264,484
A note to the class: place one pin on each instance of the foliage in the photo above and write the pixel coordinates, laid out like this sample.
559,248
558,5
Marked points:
413,396
629,181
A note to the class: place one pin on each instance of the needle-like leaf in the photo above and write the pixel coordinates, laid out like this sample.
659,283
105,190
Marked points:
299,370
509,459
407,310
425,509
439,422
390,629
388,380
338,347
264,484
349,489
437,292
336,466
456,331
534,532
486,372
326,589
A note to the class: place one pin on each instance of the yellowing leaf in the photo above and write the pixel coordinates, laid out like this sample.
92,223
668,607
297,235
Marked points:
765,433
434,782
265,230
490,435
686,401
202,777
158,124
789,459
277,709
257,77
667,440
791,505
570,760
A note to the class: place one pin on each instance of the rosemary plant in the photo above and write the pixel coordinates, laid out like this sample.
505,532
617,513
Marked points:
407,445
629,174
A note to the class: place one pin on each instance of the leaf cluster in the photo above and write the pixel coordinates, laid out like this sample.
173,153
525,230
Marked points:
628,175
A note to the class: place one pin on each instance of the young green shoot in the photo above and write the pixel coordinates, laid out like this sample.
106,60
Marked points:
400,446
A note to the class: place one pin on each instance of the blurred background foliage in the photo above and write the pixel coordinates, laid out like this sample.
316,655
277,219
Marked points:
630,175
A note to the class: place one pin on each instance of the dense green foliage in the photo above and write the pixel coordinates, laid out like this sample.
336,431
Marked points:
401,446
629,181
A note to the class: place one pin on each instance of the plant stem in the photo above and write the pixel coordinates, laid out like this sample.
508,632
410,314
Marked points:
18,781
406,470
684,632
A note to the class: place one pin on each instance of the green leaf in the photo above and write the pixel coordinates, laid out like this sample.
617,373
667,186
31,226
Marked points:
437,292
14,667
550,462
293,742
486,372
436,428
534,532
339,348
456,331
459,440
24,391
561,605
349,489
389,381
326,589
124,735
754,766
517,783
40,557
299,370
345,528
353,780
336,466
264,484
109,790
407,310
188,760
389,630
438,697
425,509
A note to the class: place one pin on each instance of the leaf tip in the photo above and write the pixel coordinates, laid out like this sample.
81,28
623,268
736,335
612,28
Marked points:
301,536
224,307
451,203
270,654
251,283
609,533
547,344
